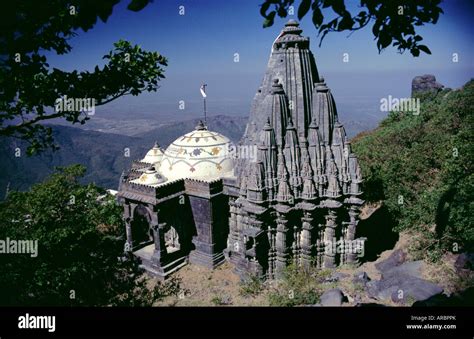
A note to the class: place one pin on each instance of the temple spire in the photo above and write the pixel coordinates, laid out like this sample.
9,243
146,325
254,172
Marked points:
324,110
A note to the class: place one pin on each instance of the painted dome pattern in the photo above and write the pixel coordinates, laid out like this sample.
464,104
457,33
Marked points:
154,155
197,154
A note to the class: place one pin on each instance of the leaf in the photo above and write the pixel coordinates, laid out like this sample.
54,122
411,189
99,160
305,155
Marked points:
303,8
269,19
339,7
345,23
384,39
137,5
317,17
264,8
425,49
415,51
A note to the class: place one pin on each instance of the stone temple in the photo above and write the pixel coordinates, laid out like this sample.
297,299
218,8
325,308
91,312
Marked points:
288,193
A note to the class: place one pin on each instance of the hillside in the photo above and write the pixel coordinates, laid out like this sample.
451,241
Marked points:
101,153
421,167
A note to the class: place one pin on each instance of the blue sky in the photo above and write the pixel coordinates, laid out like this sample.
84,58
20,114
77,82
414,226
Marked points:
200,47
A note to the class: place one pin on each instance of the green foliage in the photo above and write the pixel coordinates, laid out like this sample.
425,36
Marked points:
80,248
297,287
393,21
29,87
427,160
251,287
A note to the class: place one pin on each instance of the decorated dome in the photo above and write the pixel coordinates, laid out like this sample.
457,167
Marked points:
154,155
150,177
199,154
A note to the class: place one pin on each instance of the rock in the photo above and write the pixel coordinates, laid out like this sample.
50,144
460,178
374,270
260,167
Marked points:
465,261
361,278
400,288
332,297
425,83
226,300
463,298
397,258
412,268
336,276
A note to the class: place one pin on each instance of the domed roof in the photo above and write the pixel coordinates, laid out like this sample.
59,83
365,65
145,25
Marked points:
154,155
198,154
150,177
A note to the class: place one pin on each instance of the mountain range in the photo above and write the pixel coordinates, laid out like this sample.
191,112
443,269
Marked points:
103,154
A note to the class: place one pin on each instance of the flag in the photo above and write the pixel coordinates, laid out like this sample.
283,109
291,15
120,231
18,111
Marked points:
203,91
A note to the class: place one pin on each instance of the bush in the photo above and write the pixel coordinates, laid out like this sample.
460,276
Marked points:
297,287
422,168
80,257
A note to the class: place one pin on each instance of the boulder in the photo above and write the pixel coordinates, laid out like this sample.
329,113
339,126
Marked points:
397,258
465,261
332,297
361,278
412,268
400,288
425,83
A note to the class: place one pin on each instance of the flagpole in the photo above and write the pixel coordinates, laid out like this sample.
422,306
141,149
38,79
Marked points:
205,113
203,92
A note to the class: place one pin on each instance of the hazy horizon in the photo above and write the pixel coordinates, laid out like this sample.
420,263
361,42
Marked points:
200,47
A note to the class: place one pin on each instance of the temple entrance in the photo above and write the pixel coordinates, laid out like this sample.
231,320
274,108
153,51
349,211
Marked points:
141,232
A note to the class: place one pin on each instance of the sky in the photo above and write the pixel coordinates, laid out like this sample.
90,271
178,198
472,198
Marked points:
201,44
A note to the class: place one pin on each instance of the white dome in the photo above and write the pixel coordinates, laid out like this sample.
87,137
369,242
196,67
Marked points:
154,155
151,177
199,154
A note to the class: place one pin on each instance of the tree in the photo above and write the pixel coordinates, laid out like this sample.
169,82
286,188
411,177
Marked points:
30,89
80,258
393,21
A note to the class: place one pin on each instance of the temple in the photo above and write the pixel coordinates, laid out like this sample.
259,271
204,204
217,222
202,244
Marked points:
289,195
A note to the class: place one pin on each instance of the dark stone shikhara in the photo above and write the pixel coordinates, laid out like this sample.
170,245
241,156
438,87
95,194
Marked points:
287,207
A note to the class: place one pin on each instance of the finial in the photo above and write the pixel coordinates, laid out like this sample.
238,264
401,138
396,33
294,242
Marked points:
292,22
200,126
157,145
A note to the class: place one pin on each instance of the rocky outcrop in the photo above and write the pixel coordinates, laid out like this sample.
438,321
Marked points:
401,281
332,297
425,83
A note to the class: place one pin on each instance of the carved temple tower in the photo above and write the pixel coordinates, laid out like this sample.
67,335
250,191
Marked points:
298,202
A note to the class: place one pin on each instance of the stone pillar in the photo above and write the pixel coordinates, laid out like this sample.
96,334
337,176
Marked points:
350,235
295,246
233,232
127,217
159,254
281,246
271,253
329,240
306,241
128,230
